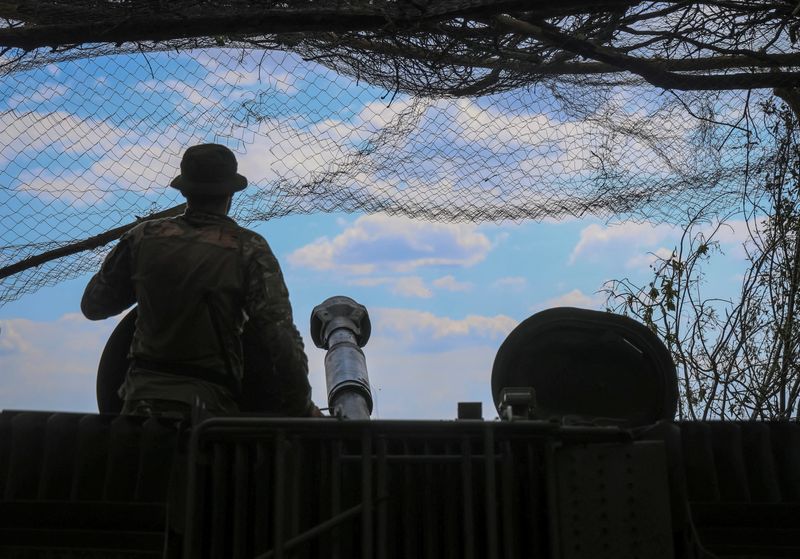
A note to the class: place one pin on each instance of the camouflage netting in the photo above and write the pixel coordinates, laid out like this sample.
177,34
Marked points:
454,111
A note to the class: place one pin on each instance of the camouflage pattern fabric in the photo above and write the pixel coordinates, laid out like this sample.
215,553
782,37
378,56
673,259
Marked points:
157,407
197,278
147,385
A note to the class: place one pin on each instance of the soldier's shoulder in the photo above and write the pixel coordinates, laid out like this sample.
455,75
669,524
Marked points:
161,226
141,228
256,248
251,239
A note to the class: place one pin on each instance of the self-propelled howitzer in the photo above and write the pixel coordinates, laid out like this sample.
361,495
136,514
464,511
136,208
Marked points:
586,462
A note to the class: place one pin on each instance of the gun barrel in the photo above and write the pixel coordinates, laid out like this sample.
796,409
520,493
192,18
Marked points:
342,327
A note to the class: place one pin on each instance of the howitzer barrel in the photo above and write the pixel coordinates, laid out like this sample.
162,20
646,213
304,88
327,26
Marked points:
342,327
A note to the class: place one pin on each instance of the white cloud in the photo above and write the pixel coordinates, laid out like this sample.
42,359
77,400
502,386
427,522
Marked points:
376,115
411,286
417,325
406,286
12,340
733,234
283,150
450,283
153,160
513,283
553,147
206,100
276,69
373,117
643,261
371,282
47,93
82,160
212,97
83,188
24,133
570,146
574,298
124,167
596,240
51,365
635,244
383,243
285,82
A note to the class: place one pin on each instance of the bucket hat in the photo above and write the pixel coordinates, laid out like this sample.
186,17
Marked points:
209,170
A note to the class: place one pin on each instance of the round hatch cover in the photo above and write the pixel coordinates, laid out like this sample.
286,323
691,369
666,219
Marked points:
591,364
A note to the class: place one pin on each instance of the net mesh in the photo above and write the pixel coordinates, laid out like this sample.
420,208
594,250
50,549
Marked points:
451,119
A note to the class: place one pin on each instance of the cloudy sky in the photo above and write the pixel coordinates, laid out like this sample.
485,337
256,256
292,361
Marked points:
442,296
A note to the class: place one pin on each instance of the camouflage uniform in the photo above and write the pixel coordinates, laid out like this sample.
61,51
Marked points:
197,278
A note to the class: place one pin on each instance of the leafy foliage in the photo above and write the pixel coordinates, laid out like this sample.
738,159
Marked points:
736,358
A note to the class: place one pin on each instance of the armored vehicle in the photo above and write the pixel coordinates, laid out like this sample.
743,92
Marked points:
585,461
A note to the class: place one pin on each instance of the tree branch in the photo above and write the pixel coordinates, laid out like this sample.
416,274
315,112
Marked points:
252,19
513,64
647,69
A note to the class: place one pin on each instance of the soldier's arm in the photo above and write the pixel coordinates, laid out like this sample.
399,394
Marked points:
267,304
110,291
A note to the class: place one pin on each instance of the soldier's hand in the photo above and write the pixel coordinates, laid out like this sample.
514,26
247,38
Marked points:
314,411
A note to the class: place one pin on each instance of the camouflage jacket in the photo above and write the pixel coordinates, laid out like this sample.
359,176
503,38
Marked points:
197,278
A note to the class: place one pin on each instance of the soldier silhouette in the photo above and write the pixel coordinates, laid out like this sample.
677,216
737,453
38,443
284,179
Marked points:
197,279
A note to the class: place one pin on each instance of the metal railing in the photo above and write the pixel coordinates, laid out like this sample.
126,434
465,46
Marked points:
270,488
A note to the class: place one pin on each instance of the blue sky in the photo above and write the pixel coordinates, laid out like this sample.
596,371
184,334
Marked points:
436,325
442,296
